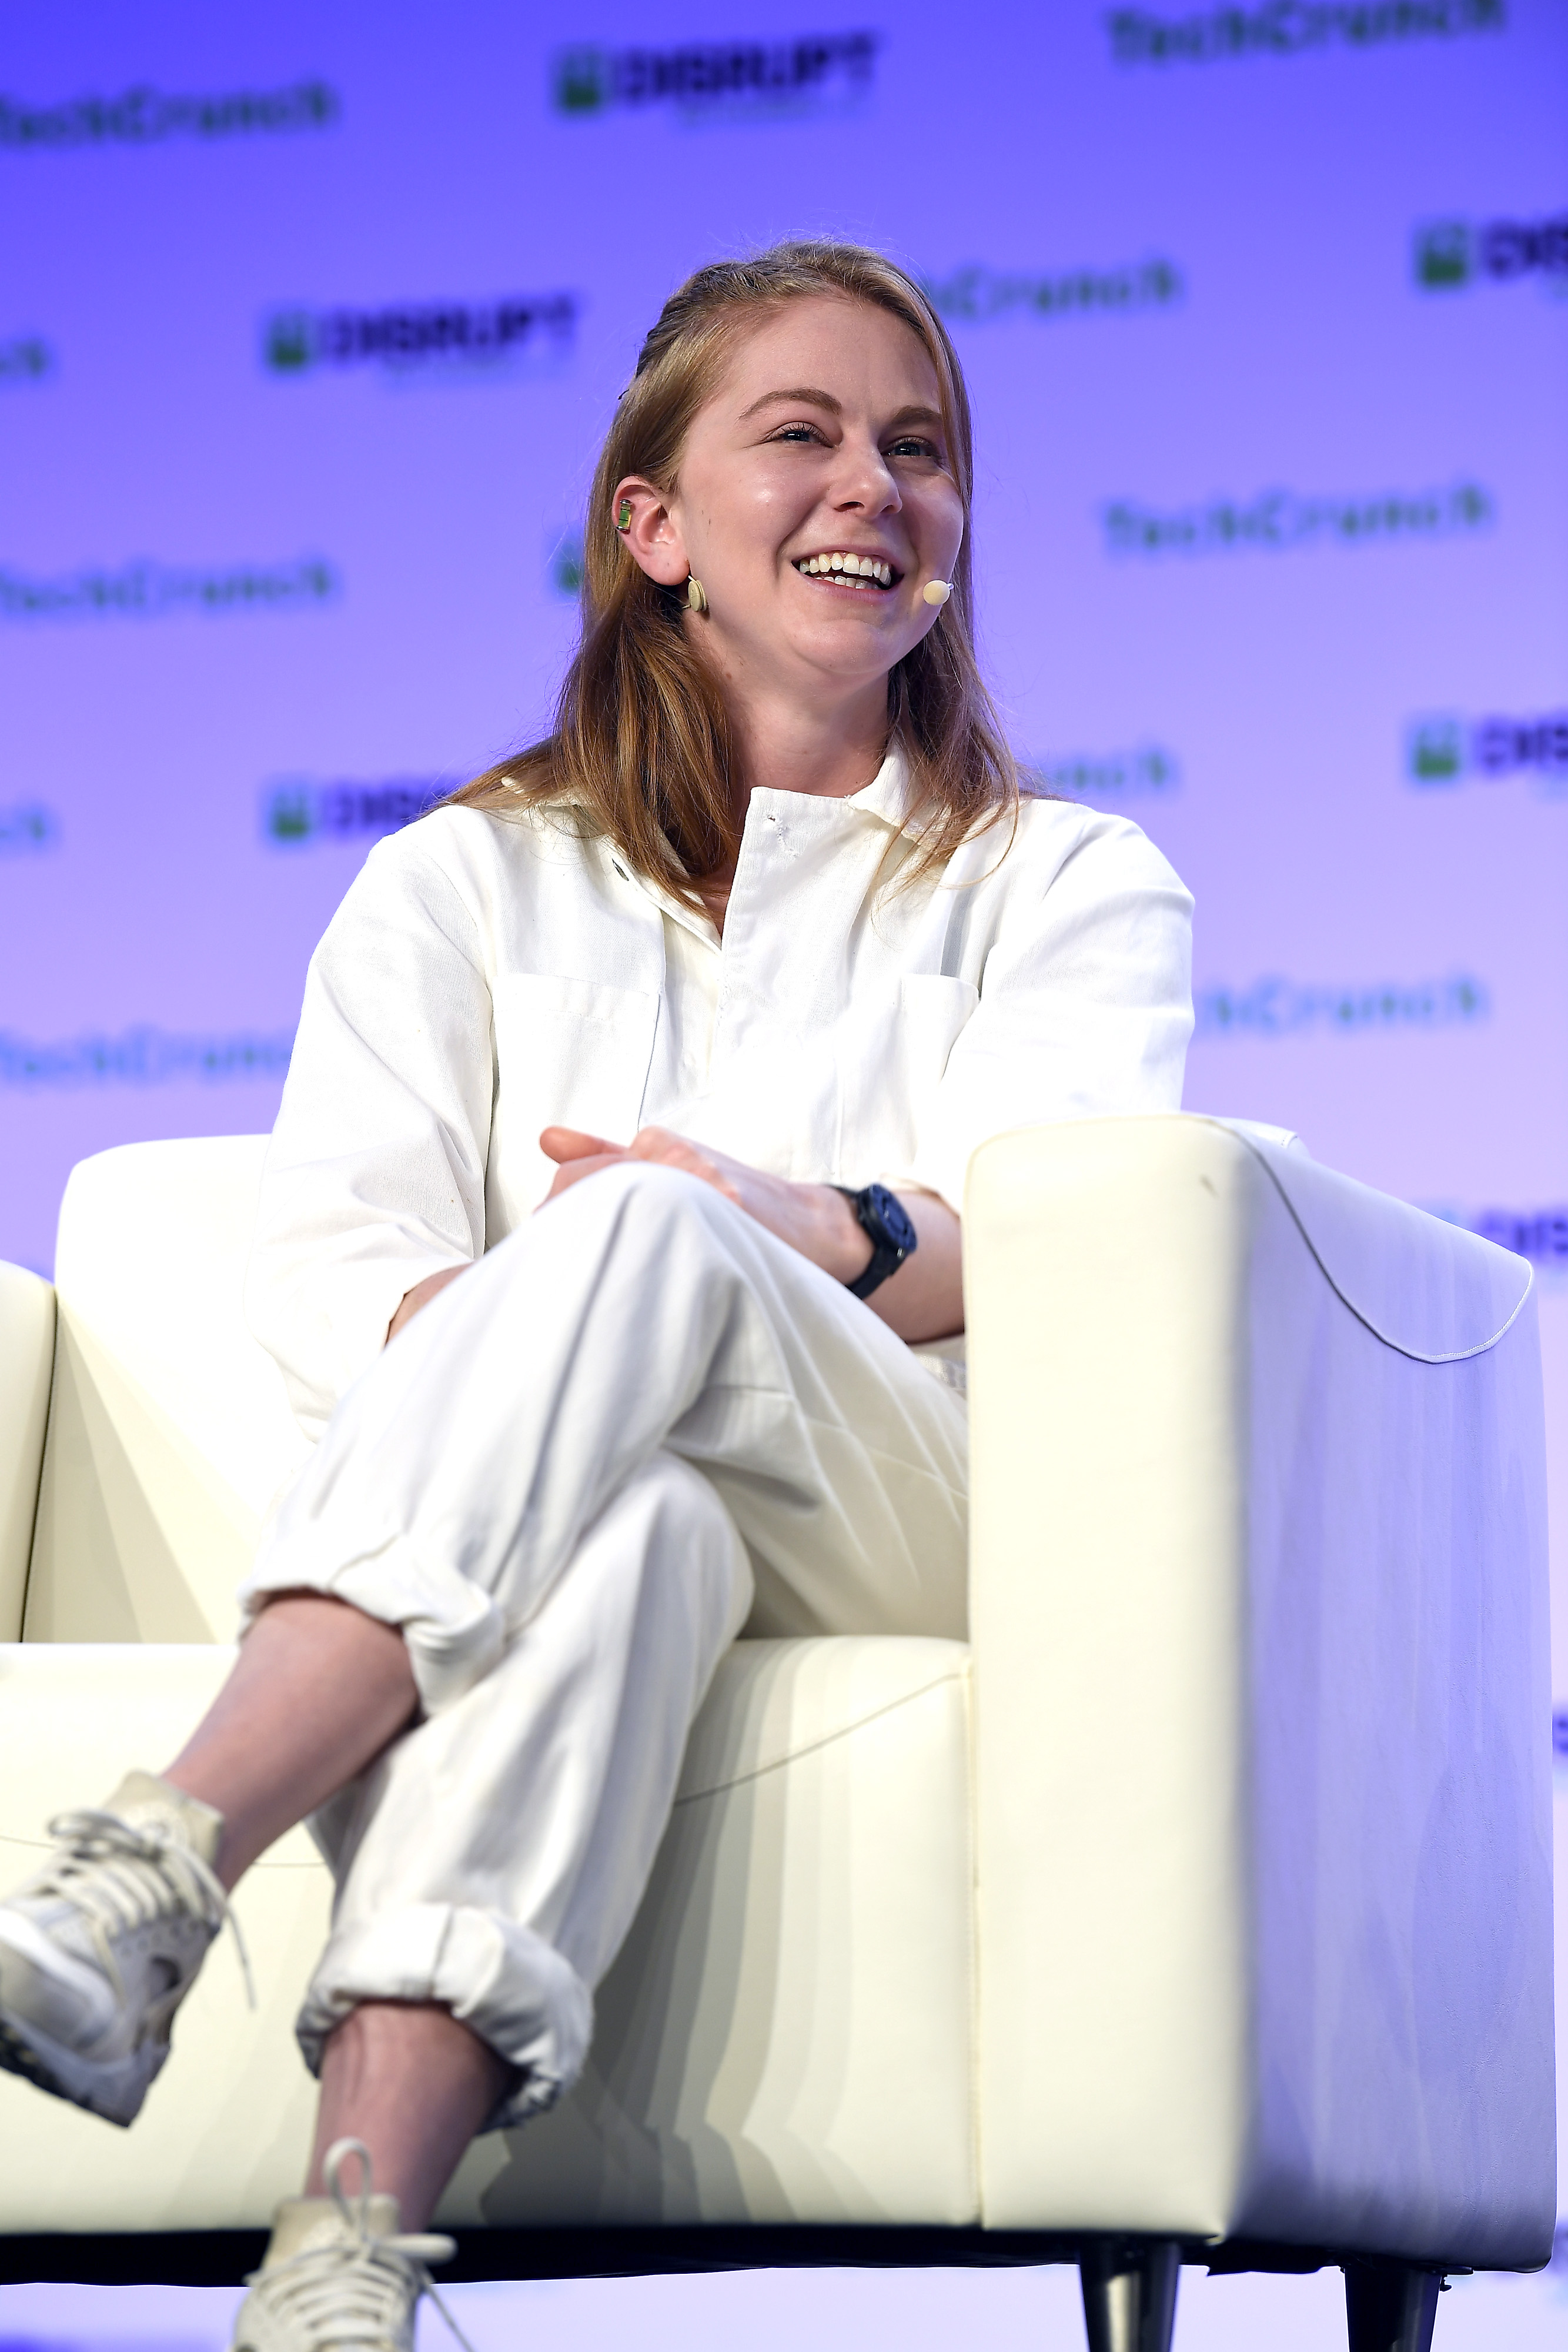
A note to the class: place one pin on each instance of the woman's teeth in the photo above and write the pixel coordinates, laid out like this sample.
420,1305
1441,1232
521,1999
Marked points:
859,567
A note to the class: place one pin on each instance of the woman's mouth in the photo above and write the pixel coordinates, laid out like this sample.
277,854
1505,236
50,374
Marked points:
848,570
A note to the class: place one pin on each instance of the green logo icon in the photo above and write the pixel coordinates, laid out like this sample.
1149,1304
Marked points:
566,565
288,341
1437,749
581,81
1444,258
289,812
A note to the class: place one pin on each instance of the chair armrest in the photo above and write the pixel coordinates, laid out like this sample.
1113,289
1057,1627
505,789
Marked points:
26,1368
1261,1691
170,1431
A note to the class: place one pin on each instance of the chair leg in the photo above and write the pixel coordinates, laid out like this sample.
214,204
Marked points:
1390,2307
1130,2293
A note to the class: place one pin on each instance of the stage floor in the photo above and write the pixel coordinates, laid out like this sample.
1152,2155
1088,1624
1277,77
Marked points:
834,2311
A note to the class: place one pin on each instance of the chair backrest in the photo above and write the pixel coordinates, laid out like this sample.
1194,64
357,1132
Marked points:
170,1433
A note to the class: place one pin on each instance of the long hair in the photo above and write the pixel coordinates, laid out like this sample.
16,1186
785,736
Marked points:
641,746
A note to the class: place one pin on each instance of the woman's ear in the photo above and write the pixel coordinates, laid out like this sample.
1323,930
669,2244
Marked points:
644,521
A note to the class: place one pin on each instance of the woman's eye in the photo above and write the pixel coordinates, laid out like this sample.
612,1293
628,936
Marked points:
797,433
911,445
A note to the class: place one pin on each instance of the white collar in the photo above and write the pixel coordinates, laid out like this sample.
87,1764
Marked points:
887,795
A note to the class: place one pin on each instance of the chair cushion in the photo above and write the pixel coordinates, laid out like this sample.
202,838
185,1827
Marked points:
787,2034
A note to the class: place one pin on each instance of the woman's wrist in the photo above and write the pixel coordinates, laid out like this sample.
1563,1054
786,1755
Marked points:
846,1248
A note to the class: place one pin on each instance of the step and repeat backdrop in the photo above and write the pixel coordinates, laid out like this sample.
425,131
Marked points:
310,321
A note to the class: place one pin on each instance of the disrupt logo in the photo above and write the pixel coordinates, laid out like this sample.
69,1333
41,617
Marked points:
144,591
296,811
1274,1007
411,335
1110,775
729,80
974,295
1539,1234
25,360
1286,28
1279,522
142,1057
1443,748
143,115
1449,254
27,825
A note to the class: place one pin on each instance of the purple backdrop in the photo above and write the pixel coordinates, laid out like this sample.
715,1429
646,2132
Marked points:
310,321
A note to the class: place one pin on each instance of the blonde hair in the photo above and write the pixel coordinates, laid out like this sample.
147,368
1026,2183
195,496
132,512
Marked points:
641,744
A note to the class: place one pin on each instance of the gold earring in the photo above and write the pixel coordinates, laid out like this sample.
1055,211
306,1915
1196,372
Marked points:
696,597
623,516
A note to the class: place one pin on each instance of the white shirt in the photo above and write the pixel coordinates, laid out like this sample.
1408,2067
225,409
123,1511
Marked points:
488,975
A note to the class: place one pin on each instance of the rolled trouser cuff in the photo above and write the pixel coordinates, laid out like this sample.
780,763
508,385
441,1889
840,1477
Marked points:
453,1628
501,1980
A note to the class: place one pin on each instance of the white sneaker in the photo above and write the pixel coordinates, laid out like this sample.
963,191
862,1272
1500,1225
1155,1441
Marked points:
98,1951
337,2275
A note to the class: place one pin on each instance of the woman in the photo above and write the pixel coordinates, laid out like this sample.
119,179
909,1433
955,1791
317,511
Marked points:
609,1242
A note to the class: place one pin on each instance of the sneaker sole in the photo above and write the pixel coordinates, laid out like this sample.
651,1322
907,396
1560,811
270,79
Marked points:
21,2056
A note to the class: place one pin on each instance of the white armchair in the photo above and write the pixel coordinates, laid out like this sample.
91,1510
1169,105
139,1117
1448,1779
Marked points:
1197,1908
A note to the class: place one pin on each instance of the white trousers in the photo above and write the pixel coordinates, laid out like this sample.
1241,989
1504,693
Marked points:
637,1424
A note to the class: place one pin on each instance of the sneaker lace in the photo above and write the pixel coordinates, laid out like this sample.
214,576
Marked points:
357,2289
119,1876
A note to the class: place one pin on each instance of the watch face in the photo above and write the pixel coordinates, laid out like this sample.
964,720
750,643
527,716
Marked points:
888,1211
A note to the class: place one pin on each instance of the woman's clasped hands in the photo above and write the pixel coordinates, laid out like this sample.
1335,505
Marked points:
814,1219
924,1300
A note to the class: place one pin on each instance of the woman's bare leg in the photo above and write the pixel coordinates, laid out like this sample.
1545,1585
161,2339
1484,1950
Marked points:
414,2084
318,1690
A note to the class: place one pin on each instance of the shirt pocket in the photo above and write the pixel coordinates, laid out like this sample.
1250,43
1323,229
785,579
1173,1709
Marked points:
568,1053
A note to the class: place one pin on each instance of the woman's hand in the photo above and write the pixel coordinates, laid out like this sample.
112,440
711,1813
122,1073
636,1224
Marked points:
924,1300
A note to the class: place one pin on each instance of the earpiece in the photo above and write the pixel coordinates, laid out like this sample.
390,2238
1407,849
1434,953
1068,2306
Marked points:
937,591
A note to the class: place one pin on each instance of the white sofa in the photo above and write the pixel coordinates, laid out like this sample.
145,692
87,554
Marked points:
1197,1908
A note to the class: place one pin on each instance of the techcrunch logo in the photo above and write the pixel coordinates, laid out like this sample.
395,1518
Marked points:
1109,775
1442,748
1273,1007
26,827
1280,521
145,591
729,81
142,117
403,336
298,812
143,1058
24,360
1451,254
974,295
1287,28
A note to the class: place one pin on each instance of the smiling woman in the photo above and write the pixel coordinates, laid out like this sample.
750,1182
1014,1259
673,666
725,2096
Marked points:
799,413
609,1241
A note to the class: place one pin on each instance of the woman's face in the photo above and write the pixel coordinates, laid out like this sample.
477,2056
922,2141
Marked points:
824,438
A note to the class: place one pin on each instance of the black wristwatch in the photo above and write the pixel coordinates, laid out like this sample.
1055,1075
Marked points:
881,1216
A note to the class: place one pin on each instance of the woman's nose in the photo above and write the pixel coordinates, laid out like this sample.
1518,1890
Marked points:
867,481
